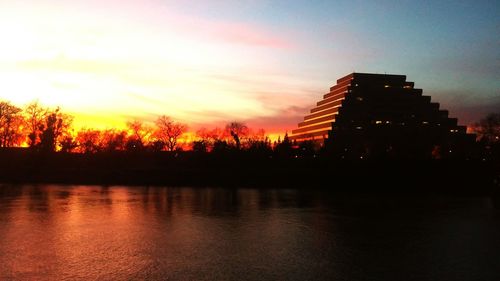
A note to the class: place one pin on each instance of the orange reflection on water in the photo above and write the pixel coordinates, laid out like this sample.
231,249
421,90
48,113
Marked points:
122,233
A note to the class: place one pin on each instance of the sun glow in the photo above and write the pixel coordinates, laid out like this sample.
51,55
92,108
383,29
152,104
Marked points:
209,62
107,67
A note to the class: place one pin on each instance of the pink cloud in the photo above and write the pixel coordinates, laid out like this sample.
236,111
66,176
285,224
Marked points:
226,31
161,16
245,34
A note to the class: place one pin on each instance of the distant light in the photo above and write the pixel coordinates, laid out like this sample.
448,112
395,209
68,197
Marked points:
359,128
425,122
378,122
387,122
359,98
387,86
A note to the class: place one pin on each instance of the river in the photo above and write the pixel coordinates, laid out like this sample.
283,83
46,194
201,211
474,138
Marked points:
56,232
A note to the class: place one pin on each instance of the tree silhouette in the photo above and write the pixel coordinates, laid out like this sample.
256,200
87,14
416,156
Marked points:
55,125
113,140
200,146
209,137
68,143
169,131
284,148
140,134
488,128
89,141
10,124
237,131
35,115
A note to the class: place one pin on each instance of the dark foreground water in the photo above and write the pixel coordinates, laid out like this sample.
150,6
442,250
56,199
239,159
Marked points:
136,233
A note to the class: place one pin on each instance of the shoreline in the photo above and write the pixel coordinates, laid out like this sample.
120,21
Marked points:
189,169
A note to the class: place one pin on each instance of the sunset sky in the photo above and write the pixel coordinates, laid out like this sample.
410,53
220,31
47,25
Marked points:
264,63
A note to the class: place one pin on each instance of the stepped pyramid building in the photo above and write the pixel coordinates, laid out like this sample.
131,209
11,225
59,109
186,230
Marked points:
379,112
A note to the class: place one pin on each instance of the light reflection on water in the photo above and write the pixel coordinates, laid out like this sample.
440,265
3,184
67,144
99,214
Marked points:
121,233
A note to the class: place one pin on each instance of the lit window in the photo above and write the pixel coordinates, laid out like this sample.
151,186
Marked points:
355,85
387,86
425,122
359,98
378,122
359,128
407,87
453,131
387,122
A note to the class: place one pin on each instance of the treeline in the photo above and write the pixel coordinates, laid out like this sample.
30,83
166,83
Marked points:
487,131
233,155
50,129
34,126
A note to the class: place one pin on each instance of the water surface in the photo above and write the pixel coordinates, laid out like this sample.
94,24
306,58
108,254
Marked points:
54,232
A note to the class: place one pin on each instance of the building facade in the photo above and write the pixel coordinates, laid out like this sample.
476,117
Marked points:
381,114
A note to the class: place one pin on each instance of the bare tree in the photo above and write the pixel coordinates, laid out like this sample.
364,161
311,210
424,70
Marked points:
237,131
169,131
206,137
35,116
10,124
139,131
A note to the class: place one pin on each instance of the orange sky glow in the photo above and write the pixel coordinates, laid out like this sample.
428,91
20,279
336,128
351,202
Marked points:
106,69
203,63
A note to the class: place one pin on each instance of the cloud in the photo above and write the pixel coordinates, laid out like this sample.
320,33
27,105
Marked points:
284,120
237,33
280,121
225,31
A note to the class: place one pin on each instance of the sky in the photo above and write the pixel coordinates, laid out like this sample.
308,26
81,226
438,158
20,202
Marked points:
264,63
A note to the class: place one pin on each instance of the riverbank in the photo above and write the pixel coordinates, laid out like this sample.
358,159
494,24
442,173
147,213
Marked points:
246,170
